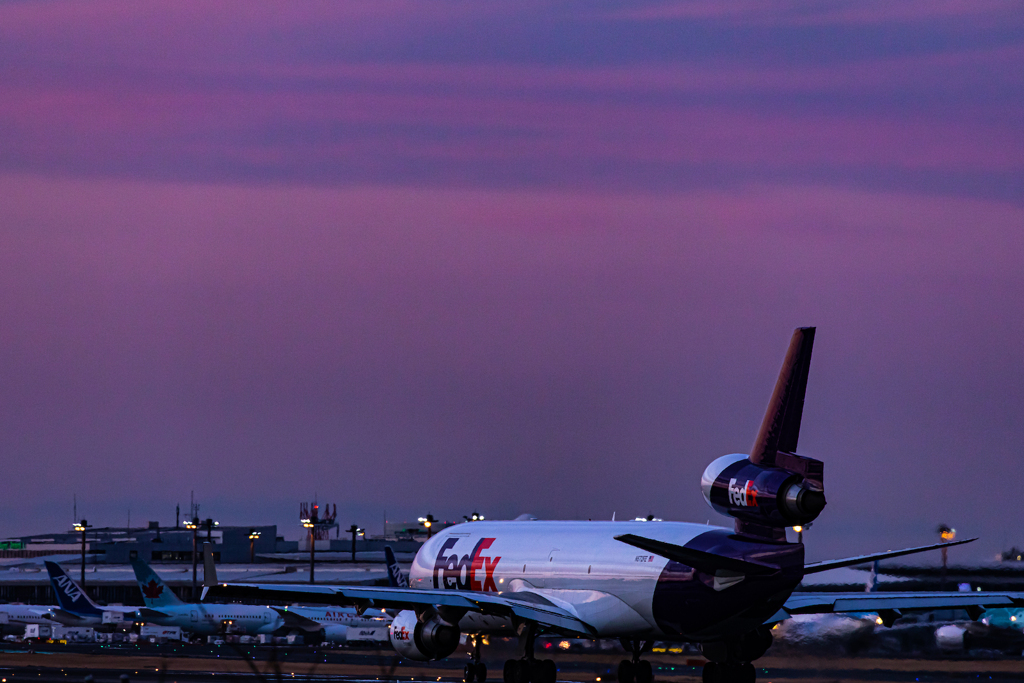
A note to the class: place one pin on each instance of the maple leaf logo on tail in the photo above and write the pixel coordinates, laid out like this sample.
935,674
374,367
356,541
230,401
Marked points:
152,590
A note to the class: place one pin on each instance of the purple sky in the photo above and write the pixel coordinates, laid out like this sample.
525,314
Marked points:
509,256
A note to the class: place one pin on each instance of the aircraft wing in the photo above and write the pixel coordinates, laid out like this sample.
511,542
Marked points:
293,620
525,606
817,603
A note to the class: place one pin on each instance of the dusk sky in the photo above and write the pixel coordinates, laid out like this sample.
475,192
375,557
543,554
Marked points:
510,257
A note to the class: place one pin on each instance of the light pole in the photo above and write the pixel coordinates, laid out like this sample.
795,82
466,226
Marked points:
355,531
193,524
475,517
947,534
799,533
82,526
309,524
253,535
428,524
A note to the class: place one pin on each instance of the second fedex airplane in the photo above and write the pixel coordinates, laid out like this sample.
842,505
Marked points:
722,588
165,608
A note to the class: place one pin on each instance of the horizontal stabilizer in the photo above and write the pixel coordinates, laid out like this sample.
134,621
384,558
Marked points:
824,603
815,567
698,559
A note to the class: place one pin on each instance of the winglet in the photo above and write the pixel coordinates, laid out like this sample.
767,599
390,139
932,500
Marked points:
209,569
780,428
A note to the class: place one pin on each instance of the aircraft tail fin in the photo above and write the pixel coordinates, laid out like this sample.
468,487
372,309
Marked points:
780,428
209,568
70,596
396,577
155,593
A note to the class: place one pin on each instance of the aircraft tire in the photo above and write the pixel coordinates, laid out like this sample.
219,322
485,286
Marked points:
481,672
508,673
522,672
644,672
625,673
713,672
549,670
469,673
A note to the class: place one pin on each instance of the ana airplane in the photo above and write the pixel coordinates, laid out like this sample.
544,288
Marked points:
637,581
165,608
77,609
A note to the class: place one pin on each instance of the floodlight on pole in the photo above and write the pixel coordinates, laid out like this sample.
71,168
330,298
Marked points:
253,535
82,526
193,524
428,524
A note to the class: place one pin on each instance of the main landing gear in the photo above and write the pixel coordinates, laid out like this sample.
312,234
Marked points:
636,670
728,672
730,661
475,670
528,669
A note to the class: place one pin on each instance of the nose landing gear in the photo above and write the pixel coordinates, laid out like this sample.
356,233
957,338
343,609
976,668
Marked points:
636,670
476,670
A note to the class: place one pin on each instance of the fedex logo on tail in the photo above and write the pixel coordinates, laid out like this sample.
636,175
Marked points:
473,571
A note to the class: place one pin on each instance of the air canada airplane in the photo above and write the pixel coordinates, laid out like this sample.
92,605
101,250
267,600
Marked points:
167,609
637,581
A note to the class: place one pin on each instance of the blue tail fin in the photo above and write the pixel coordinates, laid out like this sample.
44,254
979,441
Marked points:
155,593
70,595
396,579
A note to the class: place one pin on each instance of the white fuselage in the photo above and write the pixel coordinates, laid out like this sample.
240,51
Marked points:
211,619
578,565
342,616
14,617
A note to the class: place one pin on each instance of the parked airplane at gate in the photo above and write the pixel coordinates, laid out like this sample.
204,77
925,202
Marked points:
638,581
165,608
77,609
14,618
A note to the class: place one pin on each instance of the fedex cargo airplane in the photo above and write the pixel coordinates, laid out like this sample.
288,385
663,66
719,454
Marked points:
637,581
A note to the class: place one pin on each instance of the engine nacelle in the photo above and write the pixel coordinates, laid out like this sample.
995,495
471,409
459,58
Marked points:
423,641
335,633
785,494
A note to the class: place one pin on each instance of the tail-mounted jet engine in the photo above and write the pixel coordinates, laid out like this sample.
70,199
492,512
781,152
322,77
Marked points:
423,641
772,488
770,495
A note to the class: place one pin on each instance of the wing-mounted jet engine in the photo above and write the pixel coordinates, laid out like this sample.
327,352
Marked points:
773,487
424,638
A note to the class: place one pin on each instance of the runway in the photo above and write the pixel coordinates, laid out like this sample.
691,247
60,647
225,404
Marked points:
189,664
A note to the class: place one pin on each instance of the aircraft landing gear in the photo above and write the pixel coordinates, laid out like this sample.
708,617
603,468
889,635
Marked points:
728,672
730,661
475,670
528,669
636,670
